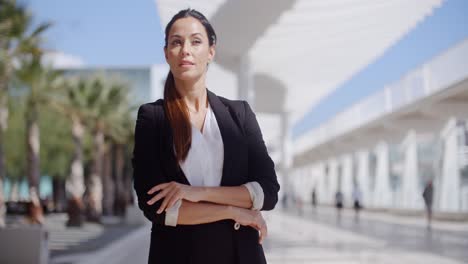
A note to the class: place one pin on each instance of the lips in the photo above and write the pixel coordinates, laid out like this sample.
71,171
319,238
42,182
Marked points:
186,63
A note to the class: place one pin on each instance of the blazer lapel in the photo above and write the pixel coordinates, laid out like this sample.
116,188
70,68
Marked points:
229,134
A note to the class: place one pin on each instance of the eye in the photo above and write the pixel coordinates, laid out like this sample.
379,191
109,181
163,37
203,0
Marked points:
196,42
176,42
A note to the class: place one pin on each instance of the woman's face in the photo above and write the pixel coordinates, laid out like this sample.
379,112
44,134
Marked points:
188,50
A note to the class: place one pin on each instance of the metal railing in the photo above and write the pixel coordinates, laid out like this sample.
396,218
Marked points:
440,73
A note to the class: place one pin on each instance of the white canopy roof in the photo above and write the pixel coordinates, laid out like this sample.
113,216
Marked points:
311,47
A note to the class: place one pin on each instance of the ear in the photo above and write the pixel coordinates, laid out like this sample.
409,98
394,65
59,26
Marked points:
211,53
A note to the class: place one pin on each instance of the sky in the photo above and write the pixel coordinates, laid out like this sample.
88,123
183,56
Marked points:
102,32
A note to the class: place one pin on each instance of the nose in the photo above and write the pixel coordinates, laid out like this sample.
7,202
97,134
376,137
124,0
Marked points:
186,48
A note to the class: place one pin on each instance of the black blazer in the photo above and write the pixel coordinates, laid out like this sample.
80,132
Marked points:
245,159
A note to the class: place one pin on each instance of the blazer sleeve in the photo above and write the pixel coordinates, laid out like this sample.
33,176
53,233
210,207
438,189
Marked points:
260,166
146,163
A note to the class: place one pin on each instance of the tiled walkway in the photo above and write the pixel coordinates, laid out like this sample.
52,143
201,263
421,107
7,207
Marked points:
320,237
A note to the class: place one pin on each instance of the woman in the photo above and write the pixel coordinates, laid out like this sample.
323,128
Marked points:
201,169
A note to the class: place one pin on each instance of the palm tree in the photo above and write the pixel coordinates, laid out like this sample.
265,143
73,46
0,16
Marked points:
118,135
122,140
15,42
117,130
56,151
80,97
42,84
103,122
13,142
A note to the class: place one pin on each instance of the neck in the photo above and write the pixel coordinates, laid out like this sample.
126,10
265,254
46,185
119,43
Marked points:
193,93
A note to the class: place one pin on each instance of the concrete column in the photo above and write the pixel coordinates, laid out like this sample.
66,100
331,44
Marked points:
245,80
310,179
321,186
316,172
363,175
411,190
450,180
347,180
297,182
286,151
332,180
305,183
296,179
382,194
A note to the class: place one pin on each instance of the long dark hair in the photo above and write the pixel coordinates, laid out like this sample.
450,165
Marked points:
175,108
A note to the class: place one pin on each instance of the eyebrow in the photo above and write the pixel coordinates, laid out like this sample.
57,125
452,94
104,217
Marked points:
179,36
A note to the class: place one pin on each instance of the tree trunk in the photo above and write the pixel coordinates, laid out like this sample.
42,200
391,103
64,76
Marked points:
3,127
94,199
35,214
59,195
128,178
75,182
121,195
108,182
2,205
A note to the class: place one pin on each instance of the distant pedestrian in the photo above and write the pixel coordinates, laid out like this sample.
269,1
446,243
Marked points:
284,201
339,200
314,198
357,202
338,204
428,195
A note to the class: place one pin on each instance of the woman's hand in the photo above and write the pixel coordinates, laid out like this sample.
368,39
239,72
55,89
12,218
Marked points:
172,192
251,218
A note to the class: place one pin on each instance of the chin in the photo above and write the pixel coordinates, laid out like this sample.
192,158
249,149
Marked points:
188,76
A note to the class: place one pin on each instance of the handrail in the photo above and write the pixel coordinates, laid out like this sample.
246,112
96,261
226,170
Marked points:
438,74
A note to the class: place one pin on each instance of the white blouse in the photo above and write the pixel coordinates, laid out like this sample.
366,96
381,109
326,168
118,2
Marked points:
204,164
